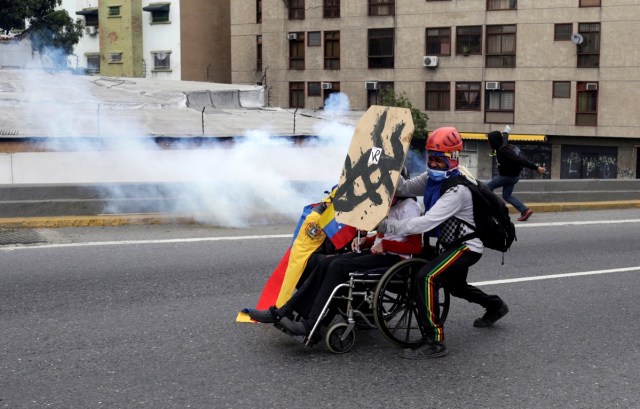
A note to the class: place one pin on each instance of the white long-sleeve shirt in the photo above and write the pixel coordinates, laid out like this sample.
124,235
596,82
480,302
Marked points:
455,203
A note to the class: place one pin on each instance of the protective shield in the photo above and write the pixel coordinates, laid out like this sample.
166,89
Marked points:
377,153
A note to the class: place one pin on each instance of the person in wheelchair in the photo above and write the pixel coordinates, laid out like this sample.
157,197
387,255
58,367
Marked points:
442,220
368,252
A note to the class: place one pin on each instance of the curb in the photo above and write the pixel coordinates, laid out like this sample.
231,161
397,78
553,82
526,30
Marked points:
576,206
109,220
112,220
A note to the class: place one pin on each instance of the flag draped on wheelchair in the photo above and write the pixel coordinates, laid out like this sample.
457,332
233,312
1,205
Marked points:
316,224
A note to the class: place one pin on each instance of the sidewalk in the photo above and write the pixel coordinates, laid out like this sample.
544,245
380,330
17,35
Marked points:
168,219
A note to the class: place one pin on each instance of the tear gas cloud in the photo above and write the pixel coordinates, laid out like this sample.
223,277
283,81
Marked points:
257,178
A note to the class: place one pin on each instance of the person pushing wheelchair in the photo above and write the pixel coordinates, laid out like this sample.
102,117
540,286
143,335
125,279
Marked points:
447,217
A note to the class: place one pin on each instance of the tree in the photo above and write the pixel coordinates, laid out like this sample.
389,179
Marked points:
390,98
416,157
52,31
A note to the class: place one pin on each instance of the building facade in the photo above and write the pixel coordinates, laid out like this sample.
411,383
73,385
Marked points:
177,40
561,73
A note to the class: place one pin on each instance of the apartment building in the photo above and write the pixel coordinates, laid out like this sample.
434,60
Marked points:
178,40
563,74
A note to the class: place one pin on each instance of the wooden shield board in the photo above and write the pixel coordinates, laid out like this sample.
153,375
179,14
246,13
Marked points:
371,170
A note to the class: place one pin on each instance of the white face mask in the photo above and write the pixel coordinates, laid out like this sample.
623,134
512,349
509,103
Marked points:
437,175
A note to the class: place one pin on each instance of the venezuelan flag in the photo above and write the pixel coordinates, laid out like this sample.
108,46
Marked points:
307,238
339,234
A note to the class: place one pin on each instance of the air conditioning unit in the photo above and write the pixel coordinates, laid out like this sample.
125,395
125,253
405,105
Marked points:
91,30
592,86
430,61
371,85
326,85
492,85
292,36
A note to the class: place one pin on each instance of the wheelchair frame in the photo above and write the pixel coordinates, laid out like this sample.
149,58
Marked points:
391,302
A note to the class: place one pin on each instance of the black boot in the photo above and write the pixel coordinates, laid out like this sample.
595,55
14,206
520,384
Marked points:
302,327
430,349
271,315
491,316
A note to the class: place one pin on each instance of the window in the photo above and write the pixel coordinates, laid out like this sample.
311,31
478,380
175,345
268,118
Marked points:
382,7
258,11
469,40
296,9
115,58
381,48
331,50
587,104
331,8
502,4
296,94
93,63
467,96
561,89
589,50
91,20
90,16
501,46
500,104
314,40
296,52
438,41
259,53
161,60
159,12
332,88
562,32
588,162
589,3
114,11
314,89
374,96
437,96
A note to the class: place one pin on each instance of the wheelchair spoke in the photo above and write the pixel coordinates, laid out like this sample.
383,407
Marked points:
395,311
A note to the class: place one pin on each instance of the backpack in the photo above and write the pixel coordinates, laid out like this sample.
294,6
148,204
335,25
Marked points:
516,150
493,226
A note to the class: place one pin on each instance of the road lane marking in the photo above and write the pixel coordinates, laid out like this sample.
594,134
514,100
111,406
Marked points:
159,241
551,276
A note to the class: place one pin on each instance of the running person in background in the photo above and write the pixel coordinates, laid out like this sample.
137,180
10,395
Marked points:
510,164
446,217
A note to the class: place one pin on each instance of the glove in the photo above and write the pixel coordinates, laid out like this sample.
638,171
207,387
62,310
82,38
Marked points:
382,226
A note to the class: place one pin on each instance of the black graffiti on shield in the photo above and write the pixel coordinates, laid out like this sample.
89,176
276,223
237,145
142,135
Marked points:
346,198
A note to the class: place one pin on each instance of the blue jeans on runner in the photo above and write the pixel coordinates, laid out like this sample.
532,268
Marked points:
507,183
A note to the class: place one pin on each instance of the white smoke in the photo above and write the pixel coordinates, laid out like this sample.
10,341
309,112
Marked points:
257,178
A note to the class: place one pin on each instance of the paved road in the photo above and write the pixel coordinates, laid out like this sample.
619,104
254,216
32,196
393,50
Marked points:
143,317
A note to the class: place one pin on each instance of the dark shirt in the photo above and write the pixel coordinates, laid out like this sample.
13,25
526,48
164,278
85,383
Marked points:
510,163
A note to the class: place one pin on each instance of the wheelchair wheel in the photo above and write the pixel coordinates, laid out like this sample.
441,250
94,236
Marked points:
394,307
333,338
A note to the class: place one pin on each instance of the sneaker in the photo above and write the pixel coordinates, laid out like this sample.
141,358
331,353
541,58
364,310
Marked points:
430,349
525,215
490,317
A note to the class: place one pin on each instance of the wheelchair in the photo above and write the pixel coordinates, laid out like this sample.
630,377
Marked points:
380,298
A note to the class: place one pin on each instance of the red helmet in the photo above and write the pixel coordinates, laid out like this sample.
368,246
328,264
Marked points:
445,141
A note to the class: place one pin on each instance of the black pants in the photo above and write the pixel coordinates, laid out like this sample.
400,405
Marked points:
449,268
328,273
